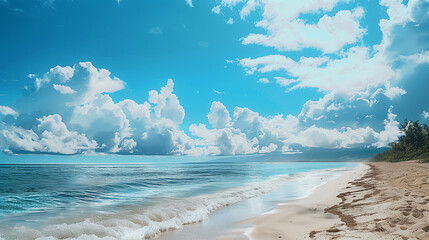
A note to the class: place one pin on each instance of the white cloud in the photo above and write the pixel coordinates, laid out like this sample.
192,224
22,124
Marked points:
332,138
101,119
284,82
394,92
358,81
218,116
316,109
89,120
398,14
267,63
57,74
167,104
225,141
216,9
391,130
96,81
99,80
329,35
230,3
348,137
270,148
230,21
425,114
246,120
249,7
63,74
419,58
4,110
252,133
63,89
247,133
135,111
356,70
334,107
49,136
263,80
288,29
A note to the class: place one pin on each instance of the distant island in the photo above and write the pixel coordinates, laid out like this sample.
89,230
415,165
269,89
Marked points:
413,145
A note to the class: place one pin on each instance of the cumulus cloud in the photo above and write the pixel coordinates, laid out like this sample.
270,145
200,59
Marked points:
347,137
218,116
251,133
69,111
246,133
316,109
225,141
90,121
167,104
51,135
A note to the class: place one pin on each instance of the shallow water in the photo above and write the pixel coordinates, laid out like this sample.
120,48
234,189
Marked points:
133,201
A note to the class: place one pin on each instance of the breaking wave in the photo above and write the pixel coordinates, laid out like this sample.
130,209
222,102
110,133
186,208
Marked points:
150,221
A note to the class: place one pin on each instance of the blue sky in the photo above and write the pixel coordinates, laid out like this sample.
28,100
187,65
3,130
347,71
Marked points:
247,77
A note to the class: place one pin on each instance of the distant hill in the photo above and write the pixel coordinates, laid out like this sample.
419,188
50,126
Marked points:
313,155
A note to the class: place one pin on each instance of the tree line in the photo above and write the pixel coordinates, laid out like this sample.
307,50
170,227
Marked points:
412,145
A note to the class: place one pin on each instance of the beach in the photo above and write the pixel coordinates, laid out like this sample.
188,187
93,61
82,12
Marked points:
374,201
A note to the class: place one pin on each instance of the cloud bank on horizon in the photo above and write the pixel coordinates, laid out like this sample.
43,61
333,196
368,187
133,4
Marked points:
69,109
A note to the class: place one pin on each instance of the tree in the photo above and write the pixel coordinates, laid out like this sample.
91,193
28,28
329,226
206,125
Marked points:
414,144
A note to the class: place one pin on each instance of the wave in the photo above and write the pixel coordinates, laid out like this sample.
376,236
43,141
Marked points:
150,221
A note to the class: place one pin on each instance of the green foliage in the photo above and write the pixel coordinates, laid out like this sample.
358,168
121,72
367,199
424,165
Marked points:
414,144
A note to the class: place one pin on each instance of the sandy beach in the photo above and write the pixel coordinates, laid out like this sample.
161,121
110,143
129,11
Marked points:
374,201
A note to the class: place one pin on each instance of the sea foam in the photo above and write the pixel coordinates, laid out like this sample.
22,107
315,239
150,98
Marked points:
150,221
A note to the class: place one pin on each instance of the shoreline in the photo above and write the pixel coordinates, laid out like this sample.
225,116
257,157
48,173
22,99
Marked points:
297,186
295,219
373,201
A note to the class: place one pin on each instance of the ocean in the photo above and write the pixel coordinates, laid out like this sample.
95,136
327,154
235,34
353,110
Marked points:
138,201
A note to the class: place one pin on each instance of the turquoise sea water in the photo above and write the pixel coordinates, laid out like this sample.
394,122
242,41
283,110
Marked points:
136,201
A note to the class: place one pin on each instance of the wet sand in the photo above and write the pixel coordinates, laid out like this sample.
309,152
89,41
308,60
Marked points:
378,201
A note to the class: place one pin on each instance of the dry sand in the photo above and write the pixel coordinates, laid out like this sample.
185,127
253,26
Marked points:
375,201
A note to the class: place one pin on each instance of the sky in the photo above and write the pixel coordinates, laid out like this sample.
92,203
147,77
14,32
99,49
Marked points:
209,78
